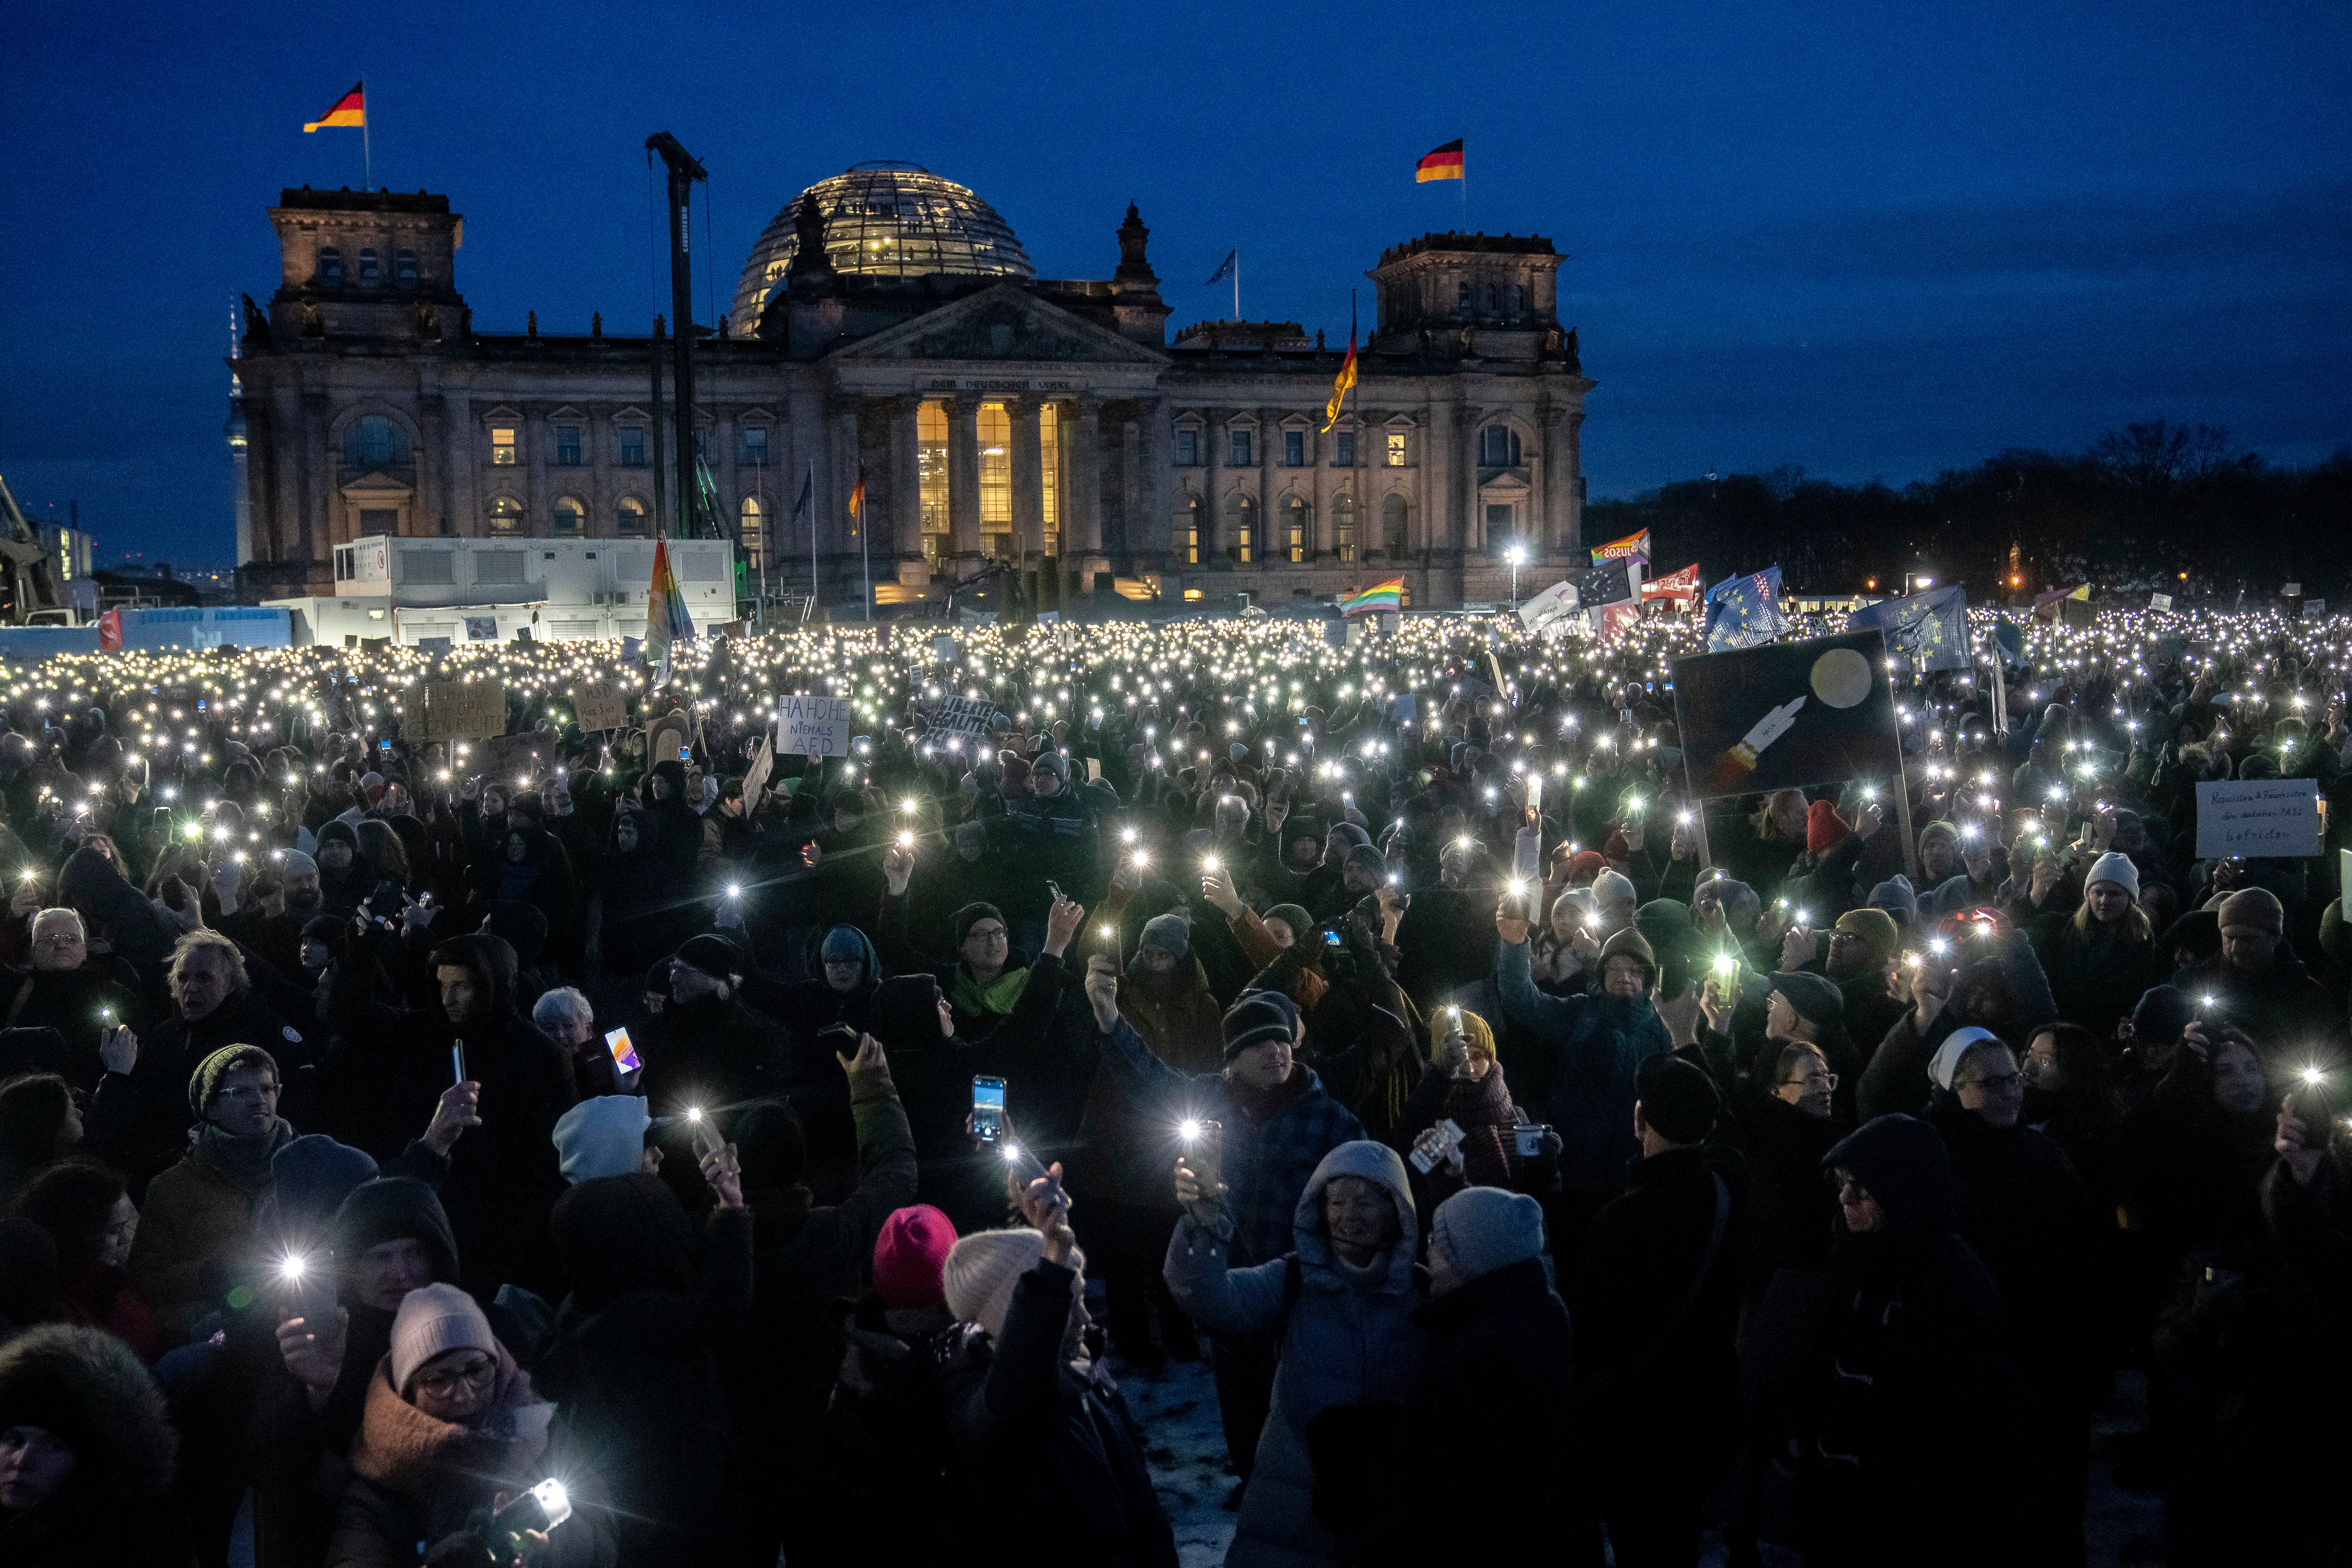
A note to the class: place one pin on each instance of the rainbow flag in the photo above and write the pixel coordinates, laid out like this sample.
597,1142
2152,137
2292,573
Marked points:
1633,545
1442,163
667,620
1388,596
349,109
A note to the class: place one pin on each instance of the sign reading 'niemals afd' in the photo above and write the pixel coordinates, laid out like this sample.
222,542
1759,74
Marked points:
813,726
2258,818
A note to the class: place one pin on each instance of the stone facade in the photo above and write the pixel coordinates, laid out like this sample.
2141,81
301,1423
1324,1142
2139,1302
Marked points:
1049,422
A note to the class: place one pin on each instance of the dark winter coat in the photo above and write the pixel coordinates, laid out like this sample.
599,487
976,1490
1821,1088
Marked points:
2098,977
1037,1441
1596,1044
1917,1415
1523,1468
142,1120
2283,1010
1791,1211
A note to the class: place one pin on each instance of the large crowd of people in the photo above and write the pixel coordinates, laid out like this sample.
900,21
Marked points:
644,1146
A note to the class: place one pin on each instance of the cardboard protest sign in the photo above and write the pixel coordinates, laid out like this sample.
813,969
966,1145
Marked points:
513,758
1786,715
600,704
452,711
964,716
2258,818
481,628
671,735
813,726
2159,601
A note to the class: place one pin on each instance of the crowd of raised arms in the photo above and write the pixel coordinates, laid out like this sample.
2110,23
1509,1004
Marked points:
1550,1164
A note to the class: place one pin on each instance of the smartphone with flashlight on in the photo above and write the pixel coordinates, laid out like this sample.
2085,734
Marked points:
306,1289
457,1060
1204,1153
987,1109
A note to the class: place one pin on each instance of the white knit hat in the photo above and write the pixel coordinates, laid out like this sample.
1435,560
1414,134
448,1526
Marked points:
1947,1059
2117,868
432,1320
982,1269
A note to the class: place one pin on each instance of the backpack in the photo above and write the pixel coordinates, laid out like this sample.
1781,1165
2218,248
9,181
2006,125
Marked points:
886,1449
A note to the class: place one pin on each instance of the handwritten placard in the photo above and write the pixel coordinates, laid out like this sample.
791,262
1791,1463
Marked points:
964,716
2258,818
452,711
600,704
813,726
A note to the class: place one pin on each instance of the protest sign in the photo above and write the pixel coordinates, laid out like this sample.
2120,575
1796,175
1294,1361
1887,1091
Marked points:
964,716
481,628
452,711
599,705
512,757
672,738
2314,608
2258,818
813,726
2159,601
1786,715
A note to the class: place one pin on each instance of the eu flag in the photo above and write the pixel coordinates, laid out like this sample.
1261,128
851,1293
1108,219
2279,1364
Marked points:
1225,269
1745,612
1924,631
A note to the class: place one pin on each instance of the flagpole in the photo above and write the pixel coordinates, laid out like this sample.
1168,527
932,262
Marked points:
812,511
864,545
367,150
1237,282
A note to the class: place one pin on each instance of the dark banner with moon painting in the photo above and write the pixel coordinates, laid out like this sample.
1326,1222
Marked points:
1787,715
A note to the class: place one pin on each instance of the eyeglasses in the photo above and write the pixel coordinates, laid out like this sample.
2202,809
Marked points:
476,1374
1812,1079
1996,1083
985,933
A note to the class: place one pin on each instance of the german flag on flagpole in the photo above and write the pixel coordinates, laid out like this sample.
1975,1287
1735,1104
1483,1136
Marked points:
349,109
1444,164
1342,381
1388,596
857,497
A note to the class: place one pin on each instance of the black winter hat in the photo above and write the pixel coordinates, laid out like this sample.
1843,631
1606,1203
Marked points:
769,1145
1258,1018
959,924
1817,1000
619,1235
713,956
391,1208
1678,1099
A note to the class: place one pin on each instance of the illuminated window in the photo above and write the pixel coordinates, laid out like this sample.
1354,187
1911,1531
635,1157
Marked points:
1293,528
1049,446
1294,448
1343,449
568,521
931,477
1245,529
505,516
1193,592
1192,533
1237,448
567,445
633,445
330,266
1392,525
755,445
1343,527
1188,447
629,520
1396,449
755,538
502,445
995,481
370,270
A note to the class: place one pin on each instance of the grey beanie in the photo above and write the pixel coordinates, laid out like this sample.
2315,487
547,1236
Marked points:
295,860
1369,858
2117,868
1171,933
1481,1229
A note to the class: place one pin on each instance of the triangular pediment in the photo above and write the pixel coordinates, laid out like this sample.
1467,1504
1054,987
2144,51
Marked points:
1001,325
376,484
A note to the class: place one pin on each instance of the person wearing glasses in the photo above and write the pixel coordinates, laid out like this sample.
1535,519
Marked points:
451,1431
63,990
2026,1213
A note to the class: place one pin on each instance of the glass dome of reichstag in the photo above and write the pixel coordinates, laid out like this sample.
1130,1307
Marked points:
885,220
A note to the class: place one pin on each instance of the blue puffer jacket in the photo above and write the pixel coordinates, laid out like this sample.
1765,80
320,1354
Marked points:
1266,1162
1348,1337
1597,1043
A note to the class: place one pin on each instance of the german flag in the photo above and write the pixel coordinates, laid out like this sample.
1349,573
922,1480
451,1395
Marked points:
1341,383
349,109
1444,164
857,498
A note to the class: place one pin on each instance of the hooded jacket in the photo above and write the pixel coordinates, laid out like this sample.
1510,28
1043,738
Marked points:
84,1385
1597,1043
1918,1410
1348,1337
132,927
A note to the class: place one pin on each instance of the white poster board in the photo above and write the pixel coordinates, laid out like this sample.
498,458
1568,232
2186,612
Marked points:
813,726
2258,818
2159,601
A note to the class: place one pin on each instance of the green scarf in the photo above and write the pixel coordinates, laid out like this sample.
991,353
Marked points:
242,1160
997,997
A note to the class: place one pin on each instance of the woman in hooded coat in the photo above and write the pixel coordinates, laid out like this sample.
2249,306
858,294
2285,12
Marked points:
1917,1412
1342,1306
86,1212
637,902
87,1455
346,876
843,995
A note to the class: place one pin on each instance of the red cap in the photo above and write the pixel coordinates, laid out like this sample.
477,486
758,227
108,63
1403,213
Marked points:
1823,830
909,1255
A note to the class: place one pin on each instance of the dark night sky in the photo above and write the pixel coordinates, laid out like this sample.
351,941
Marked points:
1871,240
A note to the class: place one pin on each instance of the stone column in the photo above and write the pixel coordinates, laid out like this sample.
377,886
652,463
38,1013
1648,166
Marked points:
1153,480
317,480
841,445
1216,520
1571,480
461,464
794,551
964,483
729,484
905,491
1082,481
1026,451
1274,542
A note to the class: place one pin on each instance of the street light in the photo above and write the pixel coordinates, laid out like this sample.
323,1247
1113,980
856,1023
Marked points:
1517,556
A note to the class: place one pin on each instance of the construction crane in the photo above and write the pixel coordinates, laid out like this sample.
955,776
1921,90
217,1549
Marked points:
29,581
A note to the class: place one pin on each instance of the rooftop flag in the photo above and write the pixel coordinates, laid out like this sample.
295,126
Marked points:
1225,269
1342,381
1443,163
1380,597
349,109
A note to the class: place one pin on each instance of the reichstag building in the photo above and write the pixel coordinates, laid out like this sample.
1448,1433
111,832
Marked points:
889,327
